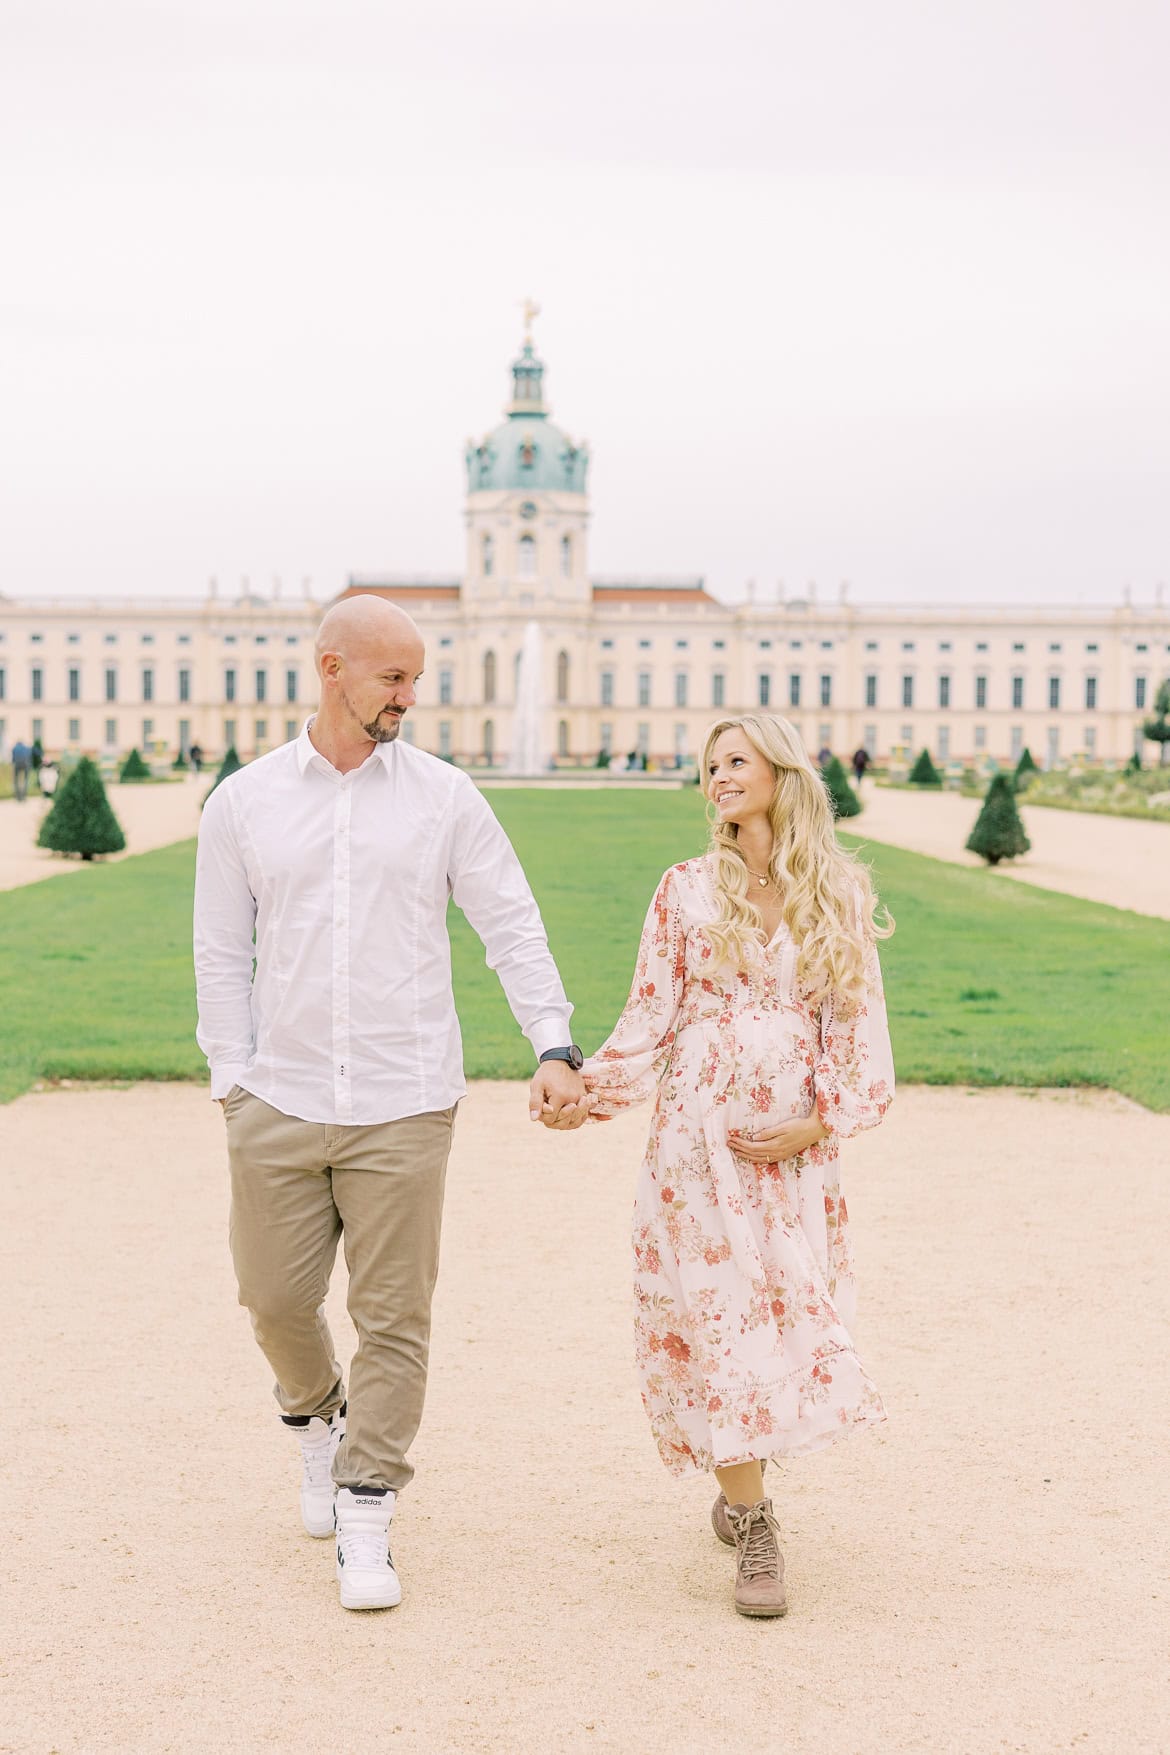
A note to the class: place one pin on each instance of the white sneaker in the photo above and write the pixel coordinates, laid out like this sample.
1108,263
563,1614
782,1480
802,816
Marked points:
318,1440
365,1571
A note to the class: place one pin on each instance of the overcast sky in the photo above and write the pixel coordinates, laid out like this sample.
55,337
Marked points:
876,292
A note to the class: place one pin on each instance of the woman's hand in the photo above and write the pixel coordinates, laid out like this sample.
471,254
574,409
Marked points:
773,1144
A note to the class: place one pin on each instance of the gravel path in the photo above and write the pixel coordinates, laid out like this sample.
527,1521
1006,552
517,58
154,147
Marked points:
1119,860
151,816
986,1573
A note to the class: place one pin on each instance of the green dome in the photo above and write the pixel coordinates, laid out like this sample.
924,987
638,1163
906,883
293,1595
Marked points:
527,450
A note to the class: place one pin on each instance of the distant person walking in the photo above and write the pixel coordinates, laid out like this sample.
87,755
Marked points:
195,757
48,776
21,764
756,1021
339,1063
860,763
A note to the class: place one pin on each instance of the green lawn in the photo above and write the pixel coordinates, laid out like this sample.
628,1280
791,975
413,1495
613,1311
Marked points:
988,981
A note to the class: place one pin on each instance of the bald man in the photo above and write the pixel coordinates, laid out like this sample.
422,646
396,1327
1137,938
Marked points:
337,1059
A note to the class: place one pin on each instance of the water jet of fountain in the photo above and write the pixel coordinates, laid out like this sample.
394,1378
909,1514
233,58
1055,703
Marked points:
525,756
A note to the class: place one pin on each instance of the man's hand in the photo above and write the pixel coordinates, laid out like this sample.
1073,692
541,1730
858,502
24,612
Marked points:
558,1097
772,1145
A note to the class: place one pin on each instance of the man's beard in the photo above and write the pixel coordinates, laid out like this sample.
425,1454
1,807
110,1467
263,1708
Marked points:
380,732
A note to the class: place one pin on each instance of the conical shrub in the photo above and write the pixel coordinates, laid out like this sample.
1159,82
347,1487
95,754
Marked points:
133,768
1025,768
81,820
998,832
924,772
842,797
231,762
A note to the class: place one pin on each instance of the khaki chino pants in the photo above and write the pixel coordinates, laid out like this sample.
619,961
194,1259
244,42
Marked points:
297,1187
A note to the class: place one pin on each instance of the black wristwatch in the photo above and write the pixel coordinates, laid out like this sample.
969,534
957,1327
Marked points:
572,1054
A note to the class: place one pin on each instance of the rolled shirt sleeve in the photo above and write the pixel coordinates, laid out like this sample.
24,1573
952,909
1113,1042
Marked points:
225,921
488,884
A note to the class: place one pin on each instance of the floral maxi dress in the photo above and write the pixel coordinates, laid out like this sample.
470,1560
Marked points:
743,1278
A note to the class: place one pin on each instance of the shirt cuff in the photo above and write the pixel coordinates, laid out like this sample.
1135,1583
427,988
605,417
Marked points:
550,1032
224,1079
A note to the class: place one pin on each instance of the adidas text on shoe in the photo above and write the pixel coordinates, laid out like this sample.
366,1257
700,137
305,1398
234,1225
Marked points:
365,1571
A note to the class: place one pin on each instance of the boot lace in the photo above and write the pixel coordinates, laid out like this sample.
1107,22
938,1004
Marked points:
757,1537
363,1548
317,1457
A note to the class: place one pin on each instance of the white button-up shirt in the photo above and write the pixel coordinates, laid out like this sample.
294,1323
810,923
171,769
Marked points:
344,880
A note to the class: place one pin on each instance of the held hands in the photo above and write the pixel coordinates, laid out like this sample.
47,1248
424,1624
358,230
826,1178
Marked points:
773,1144
558,1097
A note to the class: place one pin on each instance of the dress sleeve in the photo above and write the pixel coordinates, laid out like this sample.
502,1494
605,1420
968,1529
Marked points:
854,1074
627,1067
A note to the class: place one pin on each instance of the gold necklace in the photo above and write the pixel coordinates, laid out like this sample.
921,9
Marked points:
762,881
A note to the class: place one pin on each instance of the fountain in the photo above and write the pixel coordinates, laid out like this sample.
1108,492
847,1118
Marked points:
525,755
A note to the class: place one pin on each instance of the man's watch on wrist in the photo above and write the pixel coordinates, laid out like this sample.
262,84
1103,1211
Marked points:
572,1054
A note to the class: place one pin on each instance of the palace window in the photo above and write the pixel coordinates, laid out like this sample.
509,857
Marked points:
261,686
765,689
944,692
526,557
1139,691
566,557
718,689
489,677
489,742
38,683
907,691
290,686
562,737
229,685
74,685
148,685
980,693
489,557
562,678
111,683
1090,693
184,686
446,685
794,688
826,692
1017,692
607,688
643,688
680,689
871,689
1054,691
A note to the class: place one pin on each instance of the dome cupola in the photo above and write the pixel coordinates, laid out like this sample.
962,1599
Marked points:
527,450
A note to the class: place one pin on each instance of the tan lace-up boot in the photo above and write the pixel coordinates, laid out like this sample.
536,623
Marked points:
719,1519
759,1564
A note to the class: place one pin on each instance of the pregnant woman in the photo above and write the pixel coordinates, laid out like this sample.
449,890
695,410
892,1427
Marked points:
756,1017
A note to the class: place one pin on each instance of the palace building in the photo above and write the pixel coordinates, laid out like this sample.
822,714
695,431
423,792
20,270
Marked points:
627,663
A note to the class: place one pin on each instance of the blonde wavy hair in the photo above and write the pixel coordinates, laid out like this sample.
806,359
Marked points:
829,905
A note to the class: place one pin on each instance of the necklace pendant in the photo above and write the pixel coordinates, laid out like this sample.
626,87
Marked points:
763,883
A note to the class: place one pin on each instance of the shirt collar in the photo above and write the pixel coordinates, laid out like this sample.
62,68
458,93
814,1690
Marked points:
307,752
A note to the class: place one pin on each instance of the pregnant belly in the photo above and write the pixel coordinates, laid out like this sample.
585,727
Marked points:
760,1070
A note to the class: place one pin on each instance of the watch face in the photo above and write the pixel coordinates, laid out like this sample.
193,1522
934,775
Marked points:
528,509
